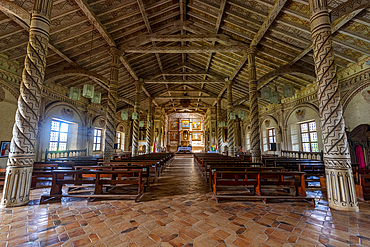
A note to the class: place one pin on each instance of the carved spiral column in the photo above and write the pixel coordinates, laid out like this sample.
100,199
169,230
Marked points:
219,129
255,128
22,148
149,129
230,122
340,185
135,128
110,133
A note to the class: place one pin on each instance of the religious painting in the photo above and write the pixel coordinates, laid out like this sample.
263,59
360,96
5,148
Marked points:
196,125
5,147
197,136
174,125
174,136
185,124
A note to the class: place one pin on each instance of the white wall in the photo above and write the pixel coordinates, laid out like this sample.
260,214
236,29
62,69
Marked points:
358,110
293,127
8,107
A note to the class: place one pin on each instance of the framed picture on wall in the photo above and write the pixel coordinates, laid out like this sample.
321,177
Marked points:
174,136
185,124
196,125
5,148
197,136
174,125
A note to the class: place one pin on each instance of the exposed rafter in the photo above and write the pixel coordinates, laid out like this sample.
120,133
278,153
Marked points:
187,49
182,81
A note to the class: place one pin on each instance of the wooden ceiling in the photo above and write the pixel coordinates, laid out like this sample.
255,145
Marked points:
152,34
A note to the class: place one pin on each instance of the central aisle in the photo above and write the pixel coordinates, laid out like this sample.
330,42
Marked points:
181,177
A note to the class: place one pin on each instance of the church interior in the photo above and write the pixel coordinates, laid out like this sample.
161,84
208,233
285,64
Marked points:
184,123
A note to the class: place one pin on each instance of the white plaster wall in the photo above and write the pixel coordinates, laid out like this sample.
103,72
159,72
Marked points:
293,128
358,110
8,107
264,133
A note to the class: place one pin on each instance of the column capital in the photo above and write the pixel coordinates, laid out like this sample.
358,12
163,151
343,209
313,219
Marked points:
229,82
252,50
113,51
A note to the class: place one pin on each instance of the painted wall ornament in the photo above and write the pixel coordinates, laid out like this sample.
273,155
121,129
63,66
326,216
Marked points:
2,94
366,95
267,123
299,114
67,113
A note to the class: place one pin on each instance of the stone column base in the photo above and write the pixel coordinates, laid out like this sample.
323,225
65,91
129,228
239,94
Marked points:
108,155
17,186
341,189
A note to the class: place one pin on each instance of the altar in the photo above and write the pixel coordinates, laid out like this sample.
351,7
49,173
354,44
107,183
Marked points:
184,149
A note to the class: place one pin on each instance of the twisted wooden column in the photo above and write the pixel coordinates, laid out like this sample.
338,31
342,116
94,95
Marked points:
339,178
135,128
230,122
22,148
255,128
219,129
149,129
110,133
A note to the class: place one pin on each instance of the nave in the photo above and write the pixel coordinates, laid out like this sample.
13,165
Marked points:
179,210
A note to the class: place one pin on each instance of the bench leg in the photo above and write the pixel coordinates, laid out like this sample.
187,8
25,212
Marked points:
98,186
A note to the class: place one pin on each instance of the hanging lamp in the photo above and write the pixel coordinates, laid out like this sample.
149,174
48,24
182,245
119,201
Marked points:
96,98
288,90
75,93
124,115
88,90
266,93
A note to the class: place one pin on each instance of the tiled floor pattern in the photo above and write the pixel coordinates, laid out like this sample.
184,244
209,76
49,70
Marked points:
179,211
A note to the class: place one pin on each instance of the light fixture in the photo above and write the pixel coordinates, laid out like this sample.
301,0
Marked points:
265,93
141,124
288,90
75,93
88,91
96,98
124,115
148,124
134,115
221,124
275,97
232,115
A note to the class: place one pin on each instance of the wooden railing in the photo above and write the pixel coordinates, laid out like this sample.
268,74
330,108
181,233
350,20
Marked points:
64,154
303,155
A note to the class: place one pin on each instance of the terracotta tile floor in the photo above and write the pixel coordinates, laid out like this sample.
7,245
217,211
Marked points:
179,211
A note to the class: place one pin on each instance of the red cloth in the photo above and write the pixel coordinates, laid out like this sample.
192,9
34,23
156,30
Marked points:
360,157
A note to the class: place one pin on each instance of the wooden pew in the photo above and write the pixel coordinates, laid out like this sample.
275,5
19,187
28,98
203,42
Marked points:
227,163
362,183
154,165
143,168
133,177
2,176
258,179
221,167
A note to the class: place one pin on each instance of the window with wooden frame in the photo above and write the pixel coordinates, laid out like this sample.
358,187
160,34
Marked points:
58,135
272,139
97,140
309,137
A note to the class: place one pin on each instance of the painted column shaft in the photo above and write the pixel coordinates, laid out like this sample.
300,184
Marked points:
255,128
22,149
149,129
230,122
219,129
135,129
110,133
339,178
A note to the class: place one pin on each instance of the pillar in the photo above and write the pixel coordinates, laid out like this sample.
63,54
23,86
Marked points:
110,133
339,178
255,128
149,128
230,122
22,148
135,128
219,129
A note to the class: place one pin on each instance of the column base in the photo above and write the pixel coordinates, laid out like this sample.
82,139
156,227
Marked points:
17,186
108,155
341,189
256,156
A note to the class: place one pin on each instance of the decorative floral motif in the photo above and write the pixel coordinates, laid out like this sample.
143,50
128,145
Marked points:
366,95
67,113
299,114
